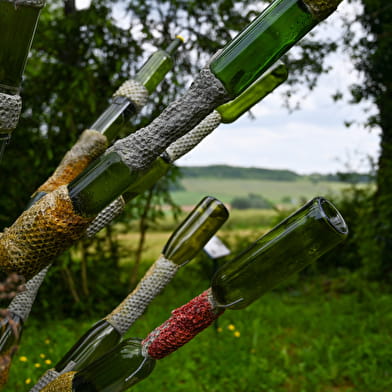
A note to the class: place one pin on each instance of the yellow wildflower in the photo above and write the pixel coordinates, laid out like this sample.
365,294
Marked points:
37,365
219,329
48,361
47,341
23,359
231,327
42,356
237,334
28,380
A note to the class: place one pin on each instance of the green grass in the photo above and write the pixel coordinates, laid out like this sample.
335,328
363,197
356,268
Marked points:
226,189
305,338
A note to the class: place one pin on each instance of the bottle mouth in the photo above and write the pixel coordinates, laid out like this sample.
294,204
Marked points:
332,216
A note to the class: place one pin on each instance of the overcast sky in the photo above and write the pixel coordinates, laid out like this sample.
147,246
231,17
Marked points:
312,139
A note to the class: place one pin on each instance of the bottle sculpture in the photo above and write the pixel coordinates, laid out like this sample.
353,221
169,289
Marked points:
61,217
18,22
226,113
297,241
185,242
130,97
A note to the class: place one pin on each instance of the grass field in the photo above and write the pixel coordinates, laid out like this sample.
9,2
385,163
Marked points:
305,338
275,191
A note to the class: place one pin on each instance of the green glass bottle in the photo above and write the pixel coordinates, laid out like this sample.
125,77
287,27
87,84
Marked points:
266,39
158,65
268,82
18,22
190,237
17,27
150,75
99,339
296,242
107,373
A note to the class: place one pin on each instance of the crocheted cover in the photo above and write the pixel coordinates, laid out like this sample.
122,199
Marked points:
61,384
40,234
184,324
49,376
140,148
134,305
186,143
91,145
134,91
22,302
114,209
321,9
10,108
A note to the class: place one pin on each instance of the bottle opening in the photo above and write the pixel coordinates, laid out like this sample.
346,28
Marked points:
333,216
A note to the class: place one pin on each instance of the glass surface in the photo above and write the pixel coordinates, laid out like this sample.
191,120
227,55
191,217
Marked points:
195,231
101,183
114,117
10,332
154,70
98,340
267,82
263,42
17,27
116,371
147,178
289,247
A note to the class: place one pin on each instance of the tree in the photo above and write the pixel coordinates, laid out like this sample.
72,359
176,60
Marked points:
372,54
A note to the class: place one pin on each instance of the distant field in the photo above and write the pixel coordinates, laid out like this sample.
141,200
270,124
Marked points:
276,191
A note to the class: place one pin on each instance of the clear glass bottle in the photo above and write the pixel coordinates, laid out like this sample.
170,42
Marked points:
289,247
265,40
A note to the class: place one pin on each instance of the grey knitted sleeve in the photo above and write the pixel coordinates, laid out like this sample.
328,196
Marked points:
134,91
142,147
10,108
22,303
105,216
134,305
189,141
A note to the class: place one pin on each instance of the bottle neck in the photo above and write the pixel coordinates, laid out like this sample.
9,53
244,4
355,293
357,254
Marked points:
99,339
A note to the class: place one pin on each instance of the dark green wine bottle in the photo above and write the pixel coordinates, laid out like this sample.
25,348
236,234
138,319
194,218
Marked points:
195,231
98,340
17,27
116,371
266,39
266,83
296,242
149,76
